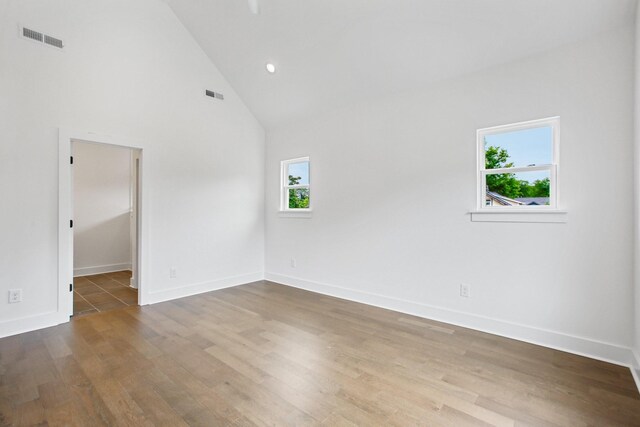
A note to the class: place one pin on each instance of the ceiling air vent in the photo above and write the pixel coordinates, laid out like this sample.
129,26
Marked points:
39,37
214,94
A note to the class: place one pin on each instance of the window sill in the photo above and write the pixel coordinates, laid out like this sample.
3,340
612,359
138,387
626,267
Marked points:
546,216
302,213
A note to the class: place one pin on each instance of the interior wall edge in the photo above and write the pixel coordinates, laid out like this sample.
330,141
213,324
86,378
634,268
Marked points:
201,287
31,323
635,369
636,199
582,346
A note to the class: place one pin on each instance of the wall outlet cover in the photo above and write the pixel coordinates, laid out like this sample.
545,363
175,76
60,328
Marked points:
465,290
15,295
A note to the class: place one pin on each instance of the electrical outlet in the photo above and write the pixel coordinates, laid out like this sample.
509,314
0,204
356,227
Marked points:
293,263
15,295
465,290
173,273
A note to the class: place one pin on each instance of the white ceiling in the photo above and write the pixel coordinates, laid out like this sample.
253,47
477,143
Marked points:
335,52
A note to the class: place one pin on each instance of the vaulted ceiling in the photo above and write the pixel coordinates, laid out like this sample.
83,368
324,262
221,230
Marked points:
330,53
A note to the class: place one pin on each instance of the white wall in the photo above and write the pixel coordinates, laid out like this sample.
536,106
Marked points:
393,182
102,208
128,69
636,251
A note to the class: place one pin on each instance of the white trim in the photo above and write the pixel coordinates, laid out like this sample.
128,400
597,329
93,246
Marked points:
65,213
284,187
635,368
527,124
635,373
65,233
607,352
98,269
554,187
31,323
134,217
296,213
202,287
297,160
518,169
636,356
520,215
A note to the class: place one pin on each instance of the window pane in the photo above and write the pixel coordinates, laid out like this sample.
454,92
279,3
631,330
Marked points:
519,148
298,173
518,189
298,198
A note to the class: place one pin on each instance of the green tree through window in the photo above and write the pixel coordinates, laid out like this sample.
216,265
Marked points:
298,197
507,184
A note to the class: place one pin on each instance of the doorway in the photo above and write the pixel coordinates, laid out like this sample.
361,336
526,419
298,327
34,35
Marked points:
105,187
100,244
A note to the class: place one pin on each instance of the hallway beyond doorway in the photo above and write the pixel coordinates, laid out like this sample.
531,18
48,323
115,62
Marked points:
103,292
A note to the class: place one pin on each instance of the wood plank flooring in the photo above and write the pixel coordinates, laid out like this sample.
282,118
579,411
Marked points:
266,354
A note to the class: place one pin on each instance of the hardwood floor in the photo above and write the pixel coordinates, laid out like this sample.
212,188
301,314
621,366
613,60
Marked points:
102,292
266,354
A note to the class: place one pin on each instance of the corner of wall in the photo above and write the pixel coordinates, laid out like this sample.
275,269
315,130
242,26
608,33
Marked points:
636,197
581,346
636,203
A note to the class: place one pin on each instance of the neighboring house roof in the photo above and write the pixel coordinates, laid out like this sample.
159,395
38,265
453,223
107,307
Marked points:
541,201
505,201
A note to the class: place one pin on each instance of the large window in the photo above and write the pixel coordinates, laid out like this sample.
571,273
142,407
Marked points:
296,188
517,166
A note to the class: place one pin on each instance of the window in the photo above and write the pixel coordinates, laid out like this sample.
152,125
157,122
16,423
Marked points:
518,165
296,189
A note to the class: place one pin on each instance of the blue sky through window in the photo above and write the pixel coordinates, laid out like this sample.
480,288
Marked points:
526,147
300,169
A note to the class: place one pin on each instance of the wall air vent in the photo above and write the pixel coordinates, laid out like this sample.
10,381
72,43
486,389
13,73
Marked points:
39,37
214,94
31,34
52,41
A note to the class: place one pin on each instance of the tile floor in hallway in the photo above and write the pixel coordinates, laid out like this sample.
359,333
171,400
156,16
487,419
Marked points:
103,292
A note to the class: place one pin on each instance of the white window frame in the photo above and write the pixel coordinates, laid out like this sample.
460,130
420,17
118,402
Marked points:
554,124
285,187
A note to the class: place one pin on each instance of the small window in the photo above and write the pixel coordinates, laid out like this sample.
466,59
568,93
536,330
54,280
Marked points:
296,188
518,165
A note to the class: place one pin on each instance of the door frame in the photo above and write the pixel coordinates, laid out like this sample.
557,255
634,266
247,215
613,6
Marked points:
65,214
134,221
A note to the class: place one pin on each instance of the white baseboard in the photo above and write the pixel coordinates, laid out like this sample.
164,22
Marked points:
199,288
635,368
31,323
45,320
582,346
99,269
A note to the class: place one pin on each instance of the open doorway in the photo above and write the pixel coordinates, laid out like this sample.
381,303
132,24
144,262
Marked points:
105,196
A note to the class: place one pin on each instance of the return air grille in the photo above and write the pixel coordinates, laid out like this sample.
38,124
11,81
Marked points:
37,36
31,34
213,94
52,41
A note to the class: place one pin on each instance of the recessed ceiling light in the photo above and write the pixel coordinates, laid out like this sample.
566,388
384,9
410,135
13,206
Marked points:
271,68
